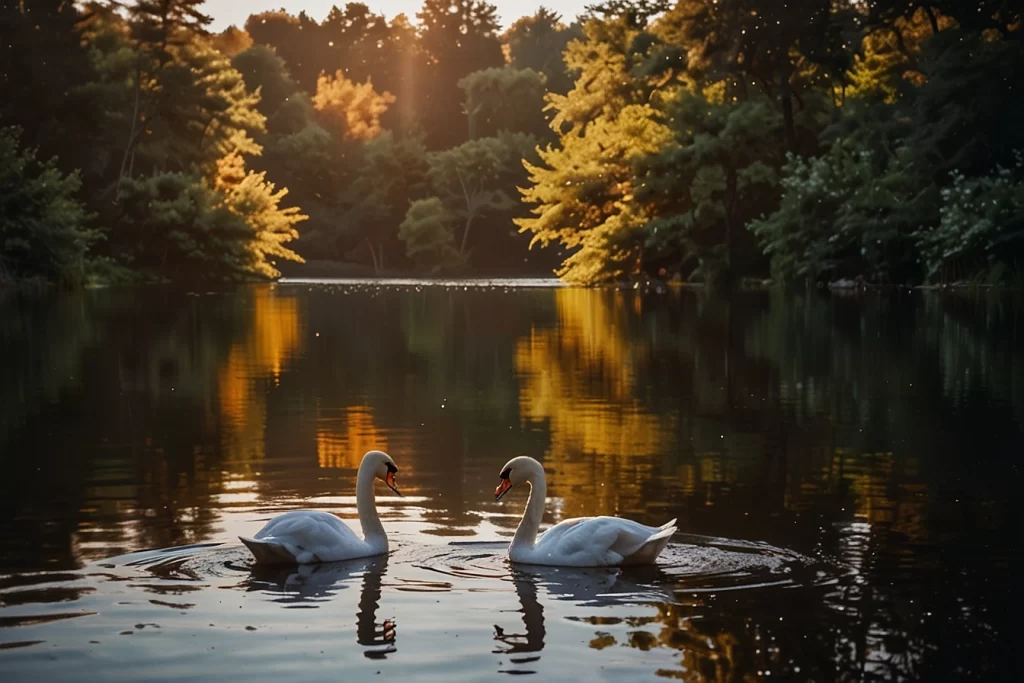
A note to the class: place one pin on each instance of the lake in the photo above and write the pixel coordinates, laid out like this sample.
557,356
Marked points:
844,471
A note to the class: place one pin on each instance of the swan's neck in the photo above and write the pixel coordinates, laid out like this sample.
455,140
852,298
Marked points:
526,534
366,504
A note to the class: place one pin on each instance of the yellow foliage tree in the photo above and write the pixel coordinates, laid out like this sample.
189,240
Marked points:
250,195
351,110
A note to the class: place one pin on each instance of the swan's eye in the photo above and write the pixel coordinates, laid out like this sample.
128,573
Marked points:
506,473
391,468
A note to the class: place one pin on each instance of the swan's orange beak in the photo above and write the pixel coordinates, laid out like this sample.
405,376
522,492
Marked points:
389,479
502,489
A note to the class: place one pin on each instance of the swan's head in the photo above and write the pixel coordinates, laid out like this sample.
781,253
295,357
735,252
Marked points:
515,472
383,467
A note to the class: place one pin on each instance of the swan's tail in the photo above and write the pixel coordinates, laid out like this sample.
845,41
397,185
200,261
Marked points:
669,523
648,552
268,551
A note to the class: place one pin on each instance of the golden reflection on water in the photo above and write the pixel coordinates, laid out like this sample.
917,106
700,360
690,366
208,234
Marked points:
344,447
273,337
578,380
804,430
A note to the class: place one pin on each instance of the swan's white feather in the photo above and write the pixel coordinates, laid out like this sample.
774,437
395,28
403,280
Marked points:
581,541
596,542
306,536
311,536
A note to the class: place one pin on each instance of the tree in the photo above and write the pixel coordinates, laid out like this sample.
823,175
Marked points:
188,106
457,37
635,14
248,194
847,213
583,189
42,61
718,173
266,74
295,39
473,180
231,41
981,229
350,110
393,175
178,226
505,99
781,48
43,227
537,42
430,238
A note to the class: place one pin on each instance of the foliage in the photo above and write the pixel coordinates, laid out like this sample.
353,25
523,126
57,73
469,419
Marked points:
231,41
716,175
265,73
350,110
177,226
982,224
474,182
43,226
505,99
843,214
457,37
429,237
584,194
584,188
393,175
537,42
684,139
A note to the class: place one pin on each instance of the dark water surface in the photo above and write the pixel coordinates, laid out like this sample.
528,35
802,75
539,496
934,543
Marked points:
844,471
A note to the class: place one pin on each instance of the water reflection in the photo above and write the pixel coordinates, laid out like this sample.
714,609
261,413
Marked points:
305,586
531,640
878,431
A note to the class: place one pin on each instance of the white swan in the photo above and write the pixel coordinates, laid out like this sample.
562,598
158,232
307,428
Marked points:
579,542
309,536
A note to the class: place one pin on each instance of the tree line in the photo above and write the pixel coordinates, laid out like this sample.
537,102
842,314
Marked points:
648,139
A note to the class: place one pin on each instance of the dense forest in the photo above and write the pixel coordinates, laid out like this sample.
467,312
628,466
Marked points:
853,141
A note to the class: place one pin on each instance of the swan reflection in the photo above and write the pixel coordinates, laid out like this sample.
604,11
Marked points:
584,588
303,586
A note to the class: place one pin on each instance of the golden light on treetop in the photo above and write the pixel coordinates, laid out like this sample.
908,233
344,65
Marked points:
351,110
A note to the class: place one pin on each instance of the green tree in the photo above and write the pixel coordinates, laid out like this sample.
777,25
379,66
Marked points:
42,64
181,227
43,227
295,39
783,49
266,74
537,42
981,229
429,236
393,174
719,172
847,213
505,99
474,181
457,38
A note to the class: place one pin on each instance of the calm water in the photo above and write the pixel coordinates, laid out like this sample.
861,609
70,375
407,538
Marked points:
844,472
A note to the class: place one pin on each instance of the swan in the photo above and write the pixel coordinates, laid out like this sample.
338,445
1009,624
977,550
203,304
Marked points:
579,542
310,536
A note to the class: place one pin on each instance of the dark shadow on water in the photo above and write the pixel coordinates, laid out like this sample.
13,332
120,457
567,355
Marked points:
305,585
532,639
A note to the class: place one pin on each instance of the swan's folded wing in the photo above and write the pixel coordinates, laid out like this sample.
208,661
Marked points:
308,528
605,540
